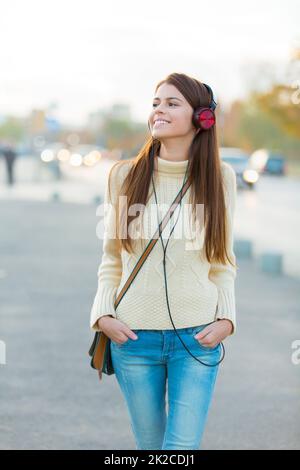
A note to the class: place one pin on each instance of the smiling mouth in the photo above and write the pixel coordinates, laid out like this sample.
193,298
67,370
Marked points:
158,122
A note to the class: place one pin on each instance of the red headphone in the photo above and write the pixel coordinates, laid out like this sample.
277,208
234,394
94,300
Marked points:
204,118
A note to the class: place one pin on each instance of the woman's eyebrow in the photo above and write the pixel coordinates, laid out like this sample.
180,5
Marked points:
170,98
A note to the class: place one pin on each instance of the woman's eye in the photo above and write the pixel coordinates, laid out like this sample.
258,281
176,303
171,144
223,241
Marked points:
173,104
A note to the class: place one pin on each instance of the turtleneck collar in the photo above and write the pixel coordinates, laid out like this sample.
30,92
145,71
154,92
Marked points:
170,167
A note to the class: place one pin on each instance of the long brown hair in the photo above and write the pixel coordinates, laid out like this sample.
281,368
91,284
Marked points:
205,176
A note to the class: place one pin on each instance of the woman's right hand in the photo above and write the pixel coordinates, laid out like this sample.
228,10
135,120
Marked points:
116,330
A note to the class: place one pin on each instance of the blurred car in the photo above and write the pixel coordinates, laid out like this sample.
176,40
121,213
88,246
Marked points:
267,161
246,175
275,165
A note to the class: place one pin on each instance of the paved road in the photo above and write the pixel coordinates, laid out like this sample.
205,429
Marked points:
270,217
52,399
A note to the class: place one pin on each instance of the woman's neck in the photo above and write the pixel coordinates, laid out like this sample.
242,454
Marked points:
169,167
174,151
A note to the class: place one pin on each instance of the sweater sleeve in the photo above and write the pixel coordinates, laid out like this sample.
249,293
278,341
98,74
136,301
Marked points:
223,275
110,269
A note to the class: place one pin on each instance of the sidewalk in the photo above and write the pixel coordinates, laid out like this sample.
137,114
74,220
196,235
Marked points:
35,182
52,398
67,191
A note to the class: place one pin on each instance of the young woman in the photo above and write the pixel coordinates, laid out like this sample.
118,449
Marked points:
166,333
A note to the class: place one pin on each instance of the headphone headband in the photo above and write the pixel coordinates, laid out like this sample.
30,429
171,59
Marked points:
213,103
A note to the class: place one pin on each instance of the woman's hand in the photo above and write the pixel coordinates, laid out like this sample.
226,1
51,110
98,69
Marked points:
214,333
116,330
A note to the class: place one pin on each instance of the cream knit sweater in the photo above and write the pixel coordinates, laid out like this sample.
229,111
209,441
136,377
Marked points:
198,292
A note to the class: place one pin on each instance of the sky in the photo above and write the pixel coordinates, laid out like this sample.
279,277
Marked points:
87,55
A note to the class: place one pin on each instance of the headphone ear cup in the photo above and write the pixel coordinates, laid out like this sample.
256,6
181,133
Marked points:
204,118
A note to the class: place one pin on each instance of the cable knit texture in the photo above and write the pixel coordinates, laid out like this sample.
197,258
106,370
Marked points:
198,292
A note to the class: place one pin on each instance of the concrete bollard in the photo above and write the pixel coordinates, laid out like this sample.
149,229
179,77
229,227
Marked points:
243,248
55,196
271,262
97,200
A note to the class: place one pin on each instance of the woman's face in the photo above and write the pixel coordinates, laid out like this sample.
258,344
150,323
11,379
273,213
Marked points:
171,106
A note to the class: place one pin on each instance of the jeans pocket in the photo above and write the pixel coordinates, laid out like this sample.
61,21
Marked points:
128,340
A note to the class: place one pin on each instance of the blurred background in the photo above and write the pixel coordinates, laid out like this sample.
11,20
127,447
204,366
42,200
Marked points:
76,88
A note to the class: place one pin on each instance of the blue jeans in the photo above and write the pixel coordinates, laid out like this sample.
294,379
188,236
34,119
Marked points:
142,367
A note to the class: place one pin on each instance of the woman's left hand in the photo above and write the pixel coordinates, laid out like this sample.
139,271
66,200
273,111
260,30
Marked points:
214,333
